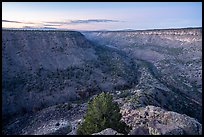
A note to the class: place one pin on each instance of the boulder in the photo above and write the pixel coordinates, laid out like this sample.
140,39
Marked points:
155,128
139,131
108,131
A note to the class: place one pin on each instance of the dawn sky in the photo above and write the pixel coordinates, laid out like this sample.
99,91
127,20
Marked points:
101,15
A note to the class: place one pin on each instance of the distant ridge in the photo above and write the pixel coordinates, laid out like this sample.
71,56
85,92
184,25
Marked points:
103,30
132,30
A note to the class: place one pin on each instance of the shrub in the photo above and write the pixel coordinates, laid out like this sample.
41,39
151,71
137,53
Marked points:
102,113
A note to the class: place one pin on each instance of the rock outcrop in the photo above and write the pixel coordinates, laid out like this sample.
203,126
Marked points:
160,121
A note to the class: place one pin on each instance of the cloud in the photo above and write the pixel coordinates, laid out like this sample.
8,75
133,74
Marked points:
52,25
11,21
72,22
32,27
92,21
56,24
29,23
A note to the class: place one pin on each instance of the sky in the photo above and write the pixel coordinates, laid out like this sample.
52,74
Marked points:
101,15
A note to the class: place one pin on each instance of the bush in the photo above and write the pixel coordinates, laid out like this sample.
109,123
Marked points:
102,113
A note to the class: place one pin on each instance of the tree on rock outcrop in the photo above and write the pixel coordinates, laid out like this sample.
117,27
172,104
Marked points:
102,113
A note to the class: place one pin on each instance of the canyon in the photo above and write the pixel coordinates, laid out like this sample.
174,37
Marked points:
45,70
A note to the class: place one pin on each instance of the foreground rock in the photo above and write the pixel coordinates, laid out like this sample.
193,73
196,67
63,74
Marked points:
161,122
108,131
139,131
55,120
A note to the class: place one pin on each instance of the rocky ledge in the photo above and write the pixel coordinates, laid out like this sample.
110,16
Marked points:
151,120
159,121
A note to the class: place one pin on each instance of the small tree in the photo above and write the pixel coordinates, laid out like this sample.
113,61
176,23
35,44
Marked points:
102,113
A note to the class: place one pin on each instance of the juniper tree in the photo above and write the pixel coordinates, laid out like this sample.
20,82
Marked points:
102,113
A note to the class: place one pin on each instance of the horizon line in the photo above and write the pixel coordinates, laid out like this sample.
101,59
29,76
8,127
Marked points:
128,29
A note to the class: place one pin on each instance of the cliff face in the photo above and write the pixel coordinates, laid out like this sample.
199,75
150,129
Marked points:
174,50
30,57
147,36
43,68
48,50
